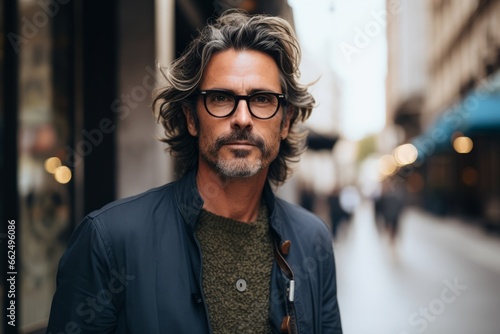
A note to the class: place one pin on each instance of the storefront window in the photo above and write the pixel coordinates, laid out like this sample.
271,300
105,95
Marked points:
44,182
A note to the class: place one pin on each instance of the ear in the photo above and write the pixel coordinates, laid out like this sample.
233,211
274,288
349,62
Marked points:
191,123
285,125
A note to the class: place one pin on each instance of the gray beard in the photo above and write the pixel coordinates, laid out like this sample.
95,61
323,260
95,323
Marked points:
236,167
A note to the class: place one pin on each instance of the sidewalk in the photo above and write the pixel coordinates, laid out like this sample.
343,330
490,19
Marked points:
442,277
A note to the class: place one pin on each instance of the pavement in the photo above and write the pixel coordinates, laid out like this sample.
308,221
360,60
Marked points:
441,276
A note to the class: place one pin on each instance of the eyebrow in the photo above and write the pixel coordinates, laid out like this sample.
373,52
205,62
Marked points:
252,91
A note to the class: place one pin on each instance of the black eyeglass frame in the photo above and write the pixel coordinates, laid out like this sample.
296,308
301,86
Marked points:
237,98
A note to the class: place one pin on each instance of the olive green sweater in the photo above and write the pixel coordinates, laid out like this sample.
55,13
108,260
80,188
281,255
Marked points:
237,262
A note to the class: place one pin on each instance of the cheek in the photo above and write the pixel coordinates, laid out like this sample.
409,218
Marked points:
273,140
279,131
203,135
208,131
205,125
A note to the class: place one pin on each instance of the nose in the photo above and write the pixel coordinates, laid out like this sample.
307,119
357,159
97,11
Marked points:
242,118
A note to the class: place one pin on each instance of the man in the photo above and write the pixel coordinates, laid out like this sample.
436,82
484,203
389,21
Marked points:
215,251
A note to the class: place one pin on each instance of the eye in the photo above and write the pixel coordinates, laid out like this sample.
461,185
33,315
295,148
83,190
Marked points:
219,97
263,98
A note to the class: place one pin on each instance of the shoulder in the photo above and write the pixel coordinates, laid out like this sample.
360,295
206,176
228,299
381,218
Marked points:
138,205
127,227
134,215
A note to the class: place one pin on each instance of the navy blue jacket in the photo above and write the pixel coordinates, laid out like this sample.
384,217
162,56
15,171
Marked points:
134,266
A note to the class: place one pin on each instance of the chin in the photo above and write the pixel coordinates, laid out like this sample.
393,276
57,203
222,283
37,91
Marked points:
242,169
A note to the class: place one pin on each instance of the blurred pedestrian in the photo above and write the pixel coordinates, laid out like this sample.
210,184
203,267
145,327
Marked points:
391,210
389,207
338,215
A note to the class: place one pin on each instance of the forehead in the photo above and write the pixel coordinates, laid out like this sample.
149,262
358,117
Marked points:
241,71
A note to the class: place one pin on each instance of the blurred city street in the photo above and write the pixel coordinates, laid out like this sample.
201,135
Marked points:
441,277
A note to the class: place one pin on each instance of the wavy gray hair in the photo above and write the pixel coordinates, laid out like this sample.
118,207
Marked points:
240,31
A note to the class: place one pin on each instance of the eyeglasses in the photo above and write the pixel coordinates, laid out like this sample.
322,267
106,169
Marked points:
262,105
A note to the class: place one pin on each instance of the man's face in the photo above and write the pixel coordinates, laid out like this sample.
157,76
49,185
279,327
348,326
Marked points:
239,145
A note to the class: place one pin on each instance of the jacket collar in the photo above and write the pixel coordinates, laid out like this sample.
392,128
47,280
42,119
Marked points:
188,198
190,202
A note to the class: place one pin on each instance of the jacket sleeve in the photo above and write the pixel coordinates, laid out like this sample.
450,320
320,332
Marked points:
88,284
331,315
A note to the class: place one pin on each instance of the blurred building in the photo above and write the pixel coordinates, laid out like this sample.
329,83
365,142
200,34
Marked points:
444,92
76,125
317,173
407,76
463,50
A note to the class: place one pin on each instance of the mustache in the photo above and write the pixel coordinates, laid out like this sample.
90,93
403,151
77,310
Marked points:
240,135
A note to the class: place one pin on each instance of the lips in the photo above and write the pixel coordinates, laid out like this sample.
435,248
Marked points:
240,143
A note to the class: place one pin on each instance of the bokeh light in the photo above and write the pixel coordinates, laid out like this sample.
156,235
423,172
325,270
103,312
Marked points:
405,154
463,145
51,164
387,165
62,174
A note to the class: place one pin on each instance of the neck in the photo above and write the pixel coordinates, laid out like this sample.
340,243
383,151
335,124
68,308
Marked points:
234,198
